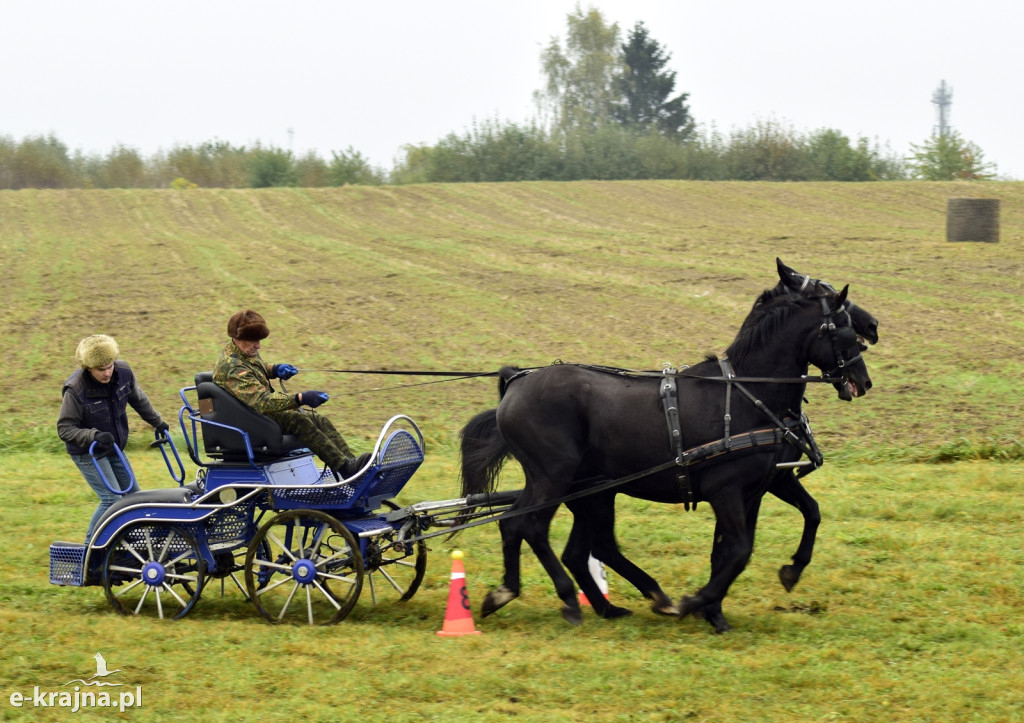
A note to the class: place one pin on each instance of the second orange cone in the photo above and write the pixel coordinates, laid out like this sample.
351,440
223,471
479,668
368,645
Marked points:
458,618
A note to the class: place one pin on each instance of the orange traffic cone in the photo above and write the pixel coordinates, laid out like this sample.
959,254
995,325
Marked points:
458,619
598,573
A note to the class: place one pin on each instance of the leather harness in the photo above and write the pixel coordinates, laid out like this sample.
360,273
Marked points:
711,452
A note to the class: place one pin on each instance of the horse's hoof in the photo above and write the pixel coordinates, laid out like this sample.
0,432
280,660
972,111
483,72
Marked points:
691,606
614,611
662,605
496,599
670,609
713,615
720,625
573,614
789,576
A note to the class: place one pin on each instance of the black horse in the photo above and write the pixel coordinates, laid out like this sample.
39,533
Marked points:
572,427
594,515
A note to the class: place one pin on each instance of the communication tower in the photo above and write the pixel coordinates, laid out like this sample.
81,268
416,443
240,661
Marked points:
943,99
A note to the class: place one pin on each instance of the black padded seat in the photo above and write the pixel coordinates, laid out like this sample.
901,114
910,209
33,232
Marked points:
172,495
265,435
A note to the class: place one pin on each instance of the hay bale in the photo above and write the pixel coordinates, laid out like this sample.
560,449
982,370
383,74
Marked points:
972,219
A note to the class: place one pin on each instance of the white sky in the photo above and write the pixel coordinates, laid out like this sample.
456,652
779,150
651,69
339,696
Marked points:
150,74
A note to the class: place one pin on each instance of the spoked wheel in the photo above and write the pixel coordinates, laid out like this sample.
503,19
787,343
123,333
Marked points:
304,566
153,570
395,569
231,569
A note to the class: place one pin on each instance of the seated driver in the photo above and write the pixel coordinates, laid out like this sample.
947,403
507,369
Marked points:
242,372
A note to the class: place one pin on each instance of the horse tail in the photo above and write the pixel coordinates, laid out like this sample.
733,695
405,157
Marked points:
484,453
505,376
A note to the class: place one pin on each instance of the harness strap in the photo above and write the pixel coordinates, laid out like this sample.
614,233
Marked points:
727,374
811,450
670,401
747,440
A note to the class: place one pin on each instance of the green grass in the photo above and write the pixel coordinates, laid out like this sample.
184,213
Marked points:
910,611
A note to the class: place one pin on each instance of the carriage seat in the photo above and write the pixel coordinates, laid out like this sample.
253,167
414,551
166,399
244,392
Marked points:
173,496
265,435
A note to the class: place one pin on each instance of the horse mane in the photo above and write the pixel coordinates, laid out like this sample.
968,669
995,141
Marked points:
770,311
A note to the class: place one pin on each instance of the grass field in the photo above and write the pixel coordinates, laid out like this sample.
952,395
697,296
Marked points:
910,611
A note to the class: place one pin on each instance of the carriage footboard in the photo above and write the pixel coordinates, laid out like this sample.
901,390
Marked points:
67,563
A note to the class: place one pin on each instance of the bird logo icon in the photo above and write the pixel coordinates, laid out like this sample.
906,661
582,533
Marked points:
101,672
101,667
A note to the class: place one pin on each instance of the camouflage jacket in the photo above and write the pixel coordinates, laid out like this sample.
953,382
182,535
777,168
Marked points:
248,379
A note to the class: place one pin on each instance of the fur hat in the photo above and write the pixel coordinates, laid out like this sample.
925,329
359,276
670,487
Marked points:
96,351
248,326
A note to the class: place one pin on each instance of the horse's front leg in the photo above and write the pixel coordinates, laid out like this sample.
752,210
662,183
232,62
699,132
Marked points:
789,489
730,554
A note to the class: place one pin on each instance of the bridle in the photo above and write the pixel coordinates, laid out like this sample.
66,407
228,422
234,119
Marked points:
845,309
829,326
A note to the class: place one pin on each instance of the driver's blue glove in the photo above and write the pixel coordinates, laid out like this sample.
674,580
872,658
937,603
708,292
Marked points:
313,398
284,371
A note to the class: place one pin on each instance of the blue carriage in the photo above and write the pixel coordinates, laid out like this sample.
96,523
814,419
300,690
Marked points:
261,516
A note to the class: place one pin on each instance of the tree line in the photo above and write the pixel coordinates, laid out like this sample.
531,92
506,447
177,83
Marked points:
608,110
46,162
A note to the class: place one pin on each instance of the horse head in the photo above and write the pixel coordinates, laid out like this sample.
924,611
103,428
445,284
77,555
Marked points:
794,282
837,348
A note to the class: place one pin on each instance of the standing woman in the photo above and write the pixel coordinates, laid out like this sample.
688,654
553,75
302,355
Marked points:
95,399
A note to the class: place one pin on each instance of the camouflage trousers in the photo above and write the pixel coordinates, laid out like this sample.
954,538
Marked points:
317,433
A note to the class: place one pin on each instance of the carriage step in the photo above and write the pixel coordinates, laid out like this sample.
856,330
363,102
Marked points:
67,563
368,528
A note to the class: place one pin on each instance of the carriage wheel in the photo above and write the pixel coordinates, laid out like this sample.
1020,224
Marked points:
230,569
153,570
395,568
388,566
304,566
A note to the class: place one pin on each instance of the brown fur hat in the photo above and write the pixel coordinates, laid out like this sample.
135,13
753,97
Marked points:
248,326
96,351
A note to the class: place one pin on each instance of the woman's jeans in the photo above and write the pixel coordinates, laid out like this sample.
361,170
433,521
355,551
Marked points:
117,475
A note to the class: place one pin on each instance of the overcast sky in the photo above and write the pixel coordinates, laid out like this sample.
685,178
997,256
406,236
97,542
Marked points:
324,75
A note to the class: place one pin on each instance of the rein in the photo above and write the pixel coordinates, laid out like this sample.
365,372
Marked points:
407,373
683,374
618,371
454,376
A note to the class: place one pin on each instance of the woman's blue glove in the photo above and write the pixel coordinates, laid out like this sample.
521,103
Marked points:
284,371
313,398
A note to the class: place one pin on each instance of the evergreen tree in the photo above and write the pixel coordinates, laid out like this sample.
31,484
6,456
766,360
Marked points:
645,86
